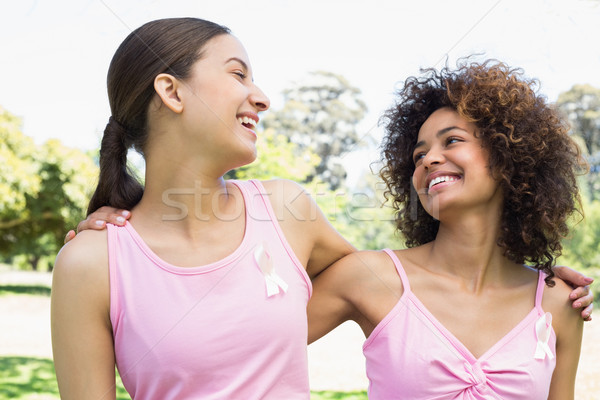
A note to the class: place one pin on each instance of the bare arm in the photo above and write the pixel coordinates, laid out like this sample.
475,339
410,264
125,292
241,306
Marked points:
308,231
363,287
568,327
314,240
330,303
81,330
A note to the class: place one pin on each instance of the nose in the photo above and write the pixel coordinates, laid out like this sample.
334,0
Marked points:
259,99
433,156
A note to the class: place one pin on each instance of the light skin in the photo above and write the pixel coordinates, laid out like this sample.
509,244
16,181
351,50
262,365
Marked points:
462,269
180,154
194,139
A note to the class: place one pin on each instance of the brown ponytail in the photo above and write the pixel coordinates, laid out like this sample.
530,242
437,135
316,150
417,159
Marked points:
169,46
117,185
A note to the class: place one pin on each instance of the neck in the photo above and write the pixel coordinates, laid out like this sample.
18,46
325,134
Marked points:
467,250
181,199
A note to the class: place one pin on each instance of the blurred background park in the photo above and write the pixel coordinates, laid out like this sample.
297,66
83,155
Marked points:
330,68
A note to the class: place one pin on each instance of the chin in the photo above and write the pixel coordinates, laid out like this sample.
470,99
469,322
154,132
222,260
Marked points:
246,159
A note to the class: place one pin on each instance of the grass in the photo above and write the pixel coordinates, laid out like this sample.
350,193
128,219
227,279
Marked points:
25,377
36,290
327,395
28,378
34,378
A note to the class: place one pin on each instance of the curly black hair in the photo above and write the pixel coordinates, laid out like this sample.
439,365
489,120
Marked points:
531,154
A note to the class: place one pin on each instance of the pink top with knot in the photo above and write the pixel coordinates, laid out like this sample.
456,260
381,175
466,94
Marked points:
411,355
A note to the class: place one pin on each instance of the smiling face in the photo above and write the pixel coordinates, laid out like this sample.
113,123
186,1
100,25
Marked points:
221,102
451,167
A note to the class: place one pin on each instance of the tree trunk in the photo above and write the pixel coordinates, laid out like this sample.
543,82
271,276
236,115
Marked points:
34,260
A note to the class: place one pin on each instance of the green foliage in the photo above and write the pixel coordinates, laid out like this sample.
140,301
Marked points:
44,192
359,214
277,158
581,104
321,113
18,171
581,250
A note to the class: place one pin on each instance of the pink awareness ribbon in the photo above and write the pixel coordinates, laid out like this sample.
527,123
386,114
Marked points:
264,261
543,326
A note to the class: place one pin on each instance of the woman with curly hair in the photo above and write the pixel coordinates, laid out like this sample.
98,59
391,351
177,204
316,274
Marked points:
482,172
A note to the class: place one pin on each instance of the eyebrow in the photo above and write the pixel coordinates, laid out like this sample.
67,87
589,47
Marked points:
239,60
438,134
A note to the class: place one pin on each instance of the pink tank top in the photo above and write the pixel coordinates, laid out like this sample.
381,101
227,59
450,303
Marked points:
233,329
410,355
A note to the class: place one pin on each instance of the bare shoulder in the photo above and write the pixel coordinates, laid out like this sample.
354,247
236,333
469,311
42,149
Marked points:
556,301
368,271
273,185
288,197
84,258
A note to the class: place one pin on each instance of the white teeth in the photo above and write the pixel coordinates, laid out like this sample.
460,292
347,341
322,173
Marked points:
439,179
246,120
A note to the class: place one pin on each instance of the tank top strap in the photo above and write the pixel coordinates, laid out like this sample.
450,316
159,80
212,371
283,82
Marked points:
539,292
252,199
399,268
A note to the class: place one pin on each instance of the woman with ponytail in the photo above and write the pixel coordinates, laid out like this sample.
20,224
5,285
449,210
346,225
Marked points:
202,294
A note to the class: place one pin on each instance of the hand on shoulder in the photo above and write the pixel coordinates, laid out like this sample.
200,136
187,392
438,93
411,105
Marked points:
556,301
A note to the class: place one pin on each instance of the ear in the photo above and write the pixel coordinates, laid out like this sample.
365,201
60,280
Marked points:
167,87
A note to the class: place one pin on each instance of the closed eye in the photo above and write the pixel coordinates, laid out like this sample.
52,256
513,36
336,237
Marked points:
453,139
240,74
418,157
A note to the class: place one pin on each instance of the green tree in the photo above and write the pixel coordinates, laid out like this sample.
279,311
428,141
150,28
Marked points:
18,179
581,104
18,168
321,113
581,250
44,191
359,214
277,158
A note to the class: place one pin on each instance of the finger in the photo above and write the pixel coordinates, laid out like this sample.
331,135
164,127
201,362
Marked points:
107,215
91,223
583,301
125,213
70,235
571,276
118,218
579,291
586,314
105,212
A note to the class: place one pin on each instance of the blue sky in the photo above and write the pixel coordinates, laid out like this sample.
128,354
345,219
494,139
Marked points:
55,53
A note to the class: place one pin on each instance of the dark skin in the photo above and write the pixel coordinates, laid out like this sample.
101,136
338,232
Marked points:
581,295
